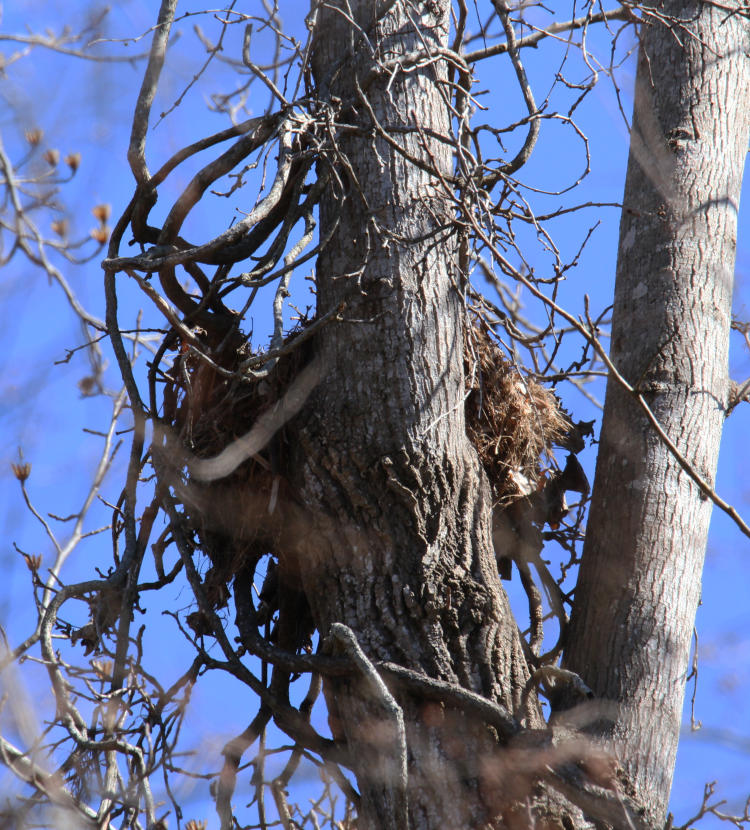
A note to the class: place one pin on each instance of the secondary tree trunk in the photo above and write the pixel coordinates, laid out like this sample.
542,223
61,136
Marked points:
401,551
639,583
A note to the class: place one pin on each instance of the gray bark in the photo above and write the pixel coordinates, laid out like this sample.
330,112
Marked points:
401,551
639,583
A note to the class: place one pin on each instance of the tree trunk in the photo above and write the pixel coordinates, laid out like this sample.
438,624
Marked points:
639,583
401,551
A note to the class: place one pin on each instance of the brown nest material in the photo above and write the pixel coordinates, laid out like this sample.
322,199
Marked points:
208,410
239,518
511,419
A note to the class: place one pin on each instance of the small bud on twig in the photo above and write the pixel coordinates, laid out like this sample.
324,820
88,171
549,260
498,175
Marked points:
34,136
33,561
101,235
21,471
73,160
102,212
60,227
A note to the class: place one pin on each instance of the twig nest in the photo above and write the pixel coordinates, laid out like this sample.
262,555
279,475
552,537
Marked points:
511,419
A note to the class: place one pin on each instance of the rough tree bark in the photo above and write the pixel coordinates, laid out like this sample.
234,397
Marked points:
402,550
639,583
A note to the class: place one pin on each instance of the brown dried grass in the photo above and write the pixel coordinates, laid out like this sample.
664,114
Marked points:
211,411
511,419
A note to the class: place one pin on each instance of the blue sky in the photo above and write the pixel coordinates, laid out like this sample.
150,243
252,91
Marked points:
86,107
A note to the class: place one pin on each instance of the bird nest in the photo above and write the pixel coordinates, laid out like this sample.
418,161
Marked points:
511,419
210,404
239,518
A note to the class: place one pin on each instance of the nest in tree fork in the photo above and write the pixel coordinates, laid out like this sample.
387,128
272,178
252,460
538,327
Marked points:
512,421
242,517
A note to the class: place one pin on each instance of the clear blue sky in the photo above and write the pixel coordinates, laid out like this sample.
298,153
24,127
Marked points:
86,107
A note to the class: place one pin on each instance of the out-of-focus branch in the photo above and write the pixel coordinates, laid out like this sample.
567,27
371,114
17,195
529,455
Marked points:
49,785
